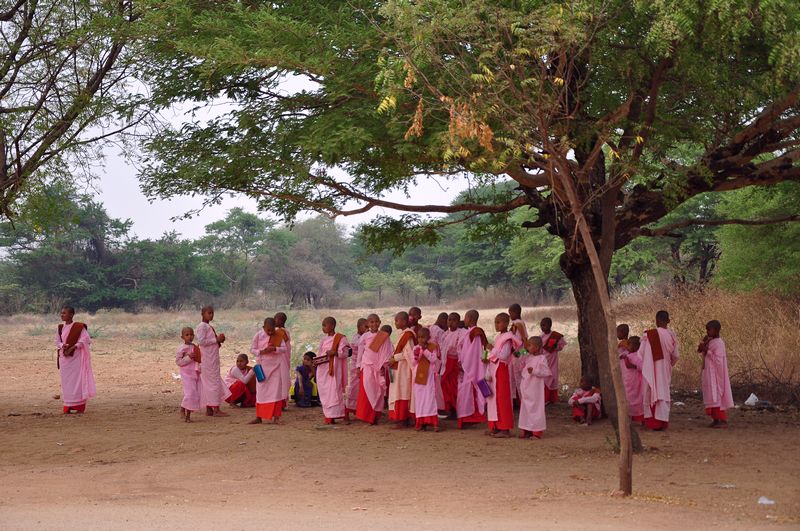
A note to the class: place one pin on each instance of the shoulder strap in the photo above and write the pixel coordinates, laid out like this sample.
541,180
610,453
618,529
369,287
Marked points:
401,344
655,344
75,333
378,341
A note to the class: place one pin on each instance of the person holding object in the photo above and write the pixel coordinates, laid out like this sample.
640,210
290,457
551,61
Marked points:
188,358
716,383
74,363
269,347
214,388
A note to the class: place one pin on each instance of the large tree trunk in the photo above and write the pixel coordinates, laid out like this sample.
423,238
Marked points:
592,336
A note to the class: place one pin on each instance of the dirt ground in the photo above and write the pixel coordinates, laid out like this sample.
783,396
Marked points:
130,462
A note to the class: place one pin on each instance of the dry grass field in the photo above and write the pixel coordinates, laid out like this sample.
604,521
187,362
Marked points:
129,462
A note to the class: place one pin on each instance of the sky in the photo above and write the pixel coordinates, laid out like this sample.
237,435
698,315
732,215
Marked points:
118,189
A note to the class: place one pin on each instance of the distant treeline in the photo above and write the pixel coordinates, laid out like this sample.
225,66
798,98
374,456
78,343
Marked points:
64,247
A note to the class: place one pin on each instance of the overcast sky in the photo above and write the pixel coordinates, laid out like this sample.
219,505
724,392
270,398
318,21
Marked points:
120,193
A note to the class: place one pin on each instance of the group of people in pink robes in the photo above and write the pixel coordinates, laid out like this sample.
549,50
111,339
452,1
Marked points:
449,368
646,365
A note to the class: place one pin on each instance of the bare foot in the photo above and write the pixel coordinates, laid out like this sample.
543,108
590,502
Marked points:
501,435
209,412
256,420
187,419
219,413
524,434
721,424
277,420
437,429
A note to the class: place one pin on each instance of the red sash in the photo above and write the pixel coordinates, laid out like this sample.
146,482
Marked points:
378,341
278,336
552,341
655,344
74,333
424,366
197,355
404,340
337,338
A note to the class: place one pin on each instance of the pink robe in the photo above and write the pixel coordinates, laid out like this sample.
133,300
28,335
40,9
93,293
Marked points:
552,360
77,378
235,375
436,334
531,388
400,388
371,364
469,356
516,364
425,402
271,389
190,377
286,363
504,345
716,382
657,376
583,397
331,387
214,389
351,393
632,381
451,345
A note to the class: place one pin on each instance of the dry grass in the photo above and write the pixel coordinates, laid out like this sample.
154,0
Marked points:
761,332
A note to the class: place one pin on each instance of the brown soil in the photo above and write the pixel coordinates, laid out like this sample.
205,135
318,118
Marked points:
130,462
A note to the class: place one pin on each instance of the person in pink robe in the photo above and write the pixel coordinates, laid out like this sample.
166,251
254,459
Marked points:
659,353
241,382
630,366
214,389
585,402
520,329
331,379
74,363
450,370
426,408
470,402
552,342
374,357
353,379
414,319
717,395
269,348
532,421
499,405
401,404
437,331
286,361
187,359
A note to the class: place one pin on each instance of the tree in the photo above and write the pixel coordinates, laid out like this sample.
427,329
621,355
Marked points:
763,257
606,115
232,244
65,73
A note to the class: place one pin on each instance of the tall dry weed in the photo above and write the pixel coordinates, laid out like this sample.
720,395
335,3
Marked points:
761,333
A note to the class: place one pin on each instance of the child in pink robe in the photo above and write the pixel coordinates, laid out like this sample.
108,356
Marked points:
532,421
214,389
241,382
425,405
286,361
351,394
401,405
659,353
438,329
552,343
520,330
74,363
269,348
585,402
331,374
376,351
470,403
187,359
499,405
630,366
450,346
717,395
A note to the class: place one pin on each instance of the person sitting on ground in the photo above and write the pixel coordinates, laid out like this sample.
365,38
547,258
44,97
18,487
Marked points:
585,402
304,389
241,382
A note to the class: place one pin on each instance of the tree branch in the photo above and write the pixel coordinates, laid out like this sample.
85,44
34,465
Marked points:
666,230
